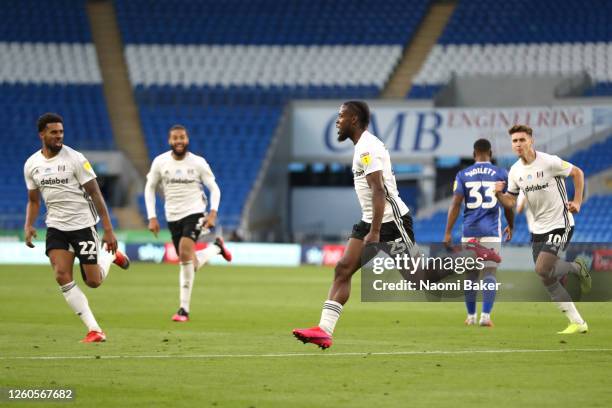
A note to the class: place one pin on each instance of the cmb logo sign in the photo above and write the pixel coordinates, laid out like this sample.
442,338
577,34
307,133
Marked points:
410,132
418,132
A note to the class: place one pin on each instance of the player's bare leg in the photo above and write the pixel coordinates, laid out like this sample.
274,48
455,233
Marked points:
544,266
339,294
93,275
186,249
344,271
62,262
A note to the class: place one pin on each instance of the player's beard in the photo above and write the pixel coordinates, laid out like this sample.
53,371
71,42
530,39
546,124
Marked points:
181,154
54,148
343,135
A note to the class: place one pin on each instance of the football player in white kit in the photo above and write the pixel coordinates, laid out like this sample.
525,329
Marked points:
182,175
385,217
67,183
540,177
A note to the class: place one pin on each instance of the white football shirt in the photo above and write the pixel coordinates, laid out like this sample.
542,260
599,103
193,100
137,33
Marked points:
528,215
60,181
182,185
370,156
543,183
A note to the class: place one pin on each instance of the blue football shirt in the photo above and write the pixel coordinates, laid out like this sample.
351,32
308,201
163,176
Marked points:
482,211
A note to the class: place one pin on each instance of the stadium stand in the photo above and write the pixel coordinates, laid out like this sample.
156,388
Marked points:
226,69
53,67
593,222
522,37
595,158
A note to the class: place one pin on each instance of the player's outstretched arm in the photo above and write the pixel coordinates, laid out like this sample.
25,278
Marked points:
32,209
92,188
451,218
578,175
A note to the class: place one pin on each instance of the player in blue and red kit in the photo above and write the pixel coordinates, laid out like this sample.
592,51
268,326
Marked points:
482,224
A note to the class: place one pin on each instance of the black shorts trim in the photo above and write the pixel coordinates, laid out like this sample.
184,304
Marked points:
188,227
389,231
563,193
84,243
551,241
397,218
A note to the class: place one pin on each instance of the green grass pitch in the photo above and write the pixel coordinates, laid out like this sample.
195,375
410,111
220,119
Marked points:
238,350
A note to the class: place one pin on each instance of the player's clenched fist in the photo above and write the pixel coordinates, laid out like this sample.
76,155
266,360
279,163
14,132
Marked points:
573,206
154,226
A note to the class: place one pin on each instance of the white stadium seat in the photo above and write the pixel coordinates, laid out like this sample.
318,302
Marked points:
594,58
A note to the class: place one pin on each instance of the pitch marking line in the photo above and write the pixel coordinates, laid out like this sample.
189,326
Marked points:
320,354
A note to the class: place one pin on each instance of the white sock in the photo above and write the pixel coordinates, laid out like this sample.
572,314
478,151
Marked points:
78,303
485,316
105,259
569,308
330,315
562,268
564,302
204,255
186,277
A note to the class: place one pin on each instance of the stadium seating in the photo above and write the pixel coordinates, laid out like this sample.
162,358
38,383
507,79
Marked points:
522,37
269,22
51,21
593,221
226,69
595,158
53,67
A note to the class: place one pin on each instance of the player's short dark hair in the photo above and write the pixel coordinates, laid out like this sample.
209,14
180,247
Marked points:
482,146
47,118
520,129
177,127
361,110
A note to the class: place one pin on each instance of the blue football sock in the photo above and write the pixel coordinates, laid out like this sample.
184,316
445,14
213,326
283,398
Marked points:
488,296
470,301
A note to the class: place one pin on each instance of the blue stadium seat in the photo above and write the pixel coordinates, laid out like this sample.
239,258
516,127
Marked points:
526,21
595,158
231,118
268,22
25,21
